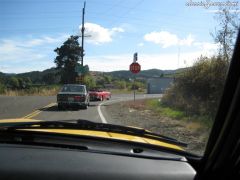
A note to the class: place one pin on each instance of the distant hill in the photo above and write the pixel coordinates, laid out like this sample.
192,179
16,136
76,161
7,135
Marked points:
37,76
2,74
42,76
6,74
143,74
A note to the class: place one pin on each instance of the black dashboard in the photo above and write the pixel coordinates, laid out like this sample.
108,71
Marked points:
94,159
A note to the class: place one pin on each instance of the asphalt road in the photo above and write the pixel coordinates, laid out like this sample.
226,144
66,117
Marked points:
45,108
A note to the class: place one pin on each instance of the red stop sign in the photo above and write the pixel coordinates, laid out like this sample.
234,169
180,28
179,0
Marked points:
135,68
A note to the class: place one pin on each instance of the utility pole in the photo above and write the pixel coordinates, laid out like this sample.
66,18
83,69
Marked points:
82,30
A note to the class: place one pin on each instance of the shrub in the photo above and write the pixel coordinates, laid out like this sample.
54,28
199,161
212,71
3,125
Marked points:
2,88
198,90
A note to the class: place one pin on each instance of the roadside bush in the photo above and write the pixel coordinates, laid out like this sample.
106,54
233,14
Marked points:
89,81
2,88
137,85
13,83
120,84
198,90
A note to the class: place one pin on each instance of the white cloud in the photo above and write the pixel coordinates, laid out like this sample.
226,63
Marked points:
207,48
45,40
41,41
18,49
115,62
18,55
140,44
147,61
11,51
163,38
187,41
32,42
15,57
99,34
167,39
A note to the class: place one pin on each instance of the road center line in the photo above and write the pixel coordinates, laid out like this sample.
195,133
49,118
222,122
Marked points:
36,112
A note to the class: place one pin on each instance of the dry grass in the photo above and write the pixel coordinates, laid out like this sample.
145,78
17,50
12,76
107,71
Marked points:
193,124
138,105
146,114
33,92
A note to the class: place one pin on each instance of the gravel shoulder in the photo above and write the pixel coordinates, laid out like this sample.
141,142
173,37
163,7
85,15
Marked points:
130,114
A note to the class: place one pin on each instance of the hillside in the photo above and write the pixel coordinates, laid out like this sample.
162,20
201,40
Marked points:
37,76
51,76
143,74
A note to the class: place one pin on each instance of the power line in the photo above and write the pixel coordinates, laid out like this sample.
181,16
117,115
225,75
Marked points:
150,23
156,26
97,15
40,1
104,13
134,21
118,4
131,8
112,7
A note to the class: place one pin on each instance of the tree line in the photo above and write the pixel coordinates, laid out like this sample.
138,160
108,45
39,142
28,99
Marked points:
51,77
14,83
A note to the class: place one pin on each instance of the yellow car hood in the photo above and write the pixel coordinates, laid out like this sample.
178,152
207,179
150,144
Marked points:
94,133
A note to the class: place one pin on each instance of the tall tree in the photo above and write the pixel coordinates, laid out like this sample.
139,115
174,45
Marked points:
68,55
226,32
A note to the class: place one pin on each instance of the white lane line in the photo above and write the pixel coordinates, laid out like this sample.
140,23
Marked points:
100,112
119,100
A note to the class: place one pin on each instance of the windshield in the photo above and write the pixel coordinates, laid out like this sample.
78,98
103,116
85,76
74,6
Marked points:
151,64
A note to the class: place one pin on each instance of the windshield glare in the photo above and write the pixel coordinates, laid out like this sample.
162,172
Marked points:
151,64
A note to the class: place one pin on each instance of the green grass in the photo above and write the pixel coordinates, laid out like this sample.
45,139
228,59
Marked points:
156,106
204,120
48,90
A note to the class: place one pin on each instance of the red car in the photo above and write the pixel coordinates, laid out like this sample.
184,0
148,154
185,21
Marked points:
96,94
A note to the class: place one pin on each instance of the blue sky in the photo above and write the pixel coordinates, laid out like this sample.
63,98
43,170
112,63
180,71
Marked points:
166,34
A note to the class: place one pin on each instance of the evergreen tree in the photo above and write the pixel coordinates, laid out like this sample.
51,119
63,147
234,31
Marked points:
68,55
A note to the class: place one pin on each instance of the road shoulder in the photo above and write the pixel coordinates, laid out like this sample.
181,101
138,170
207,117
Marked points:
122,114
